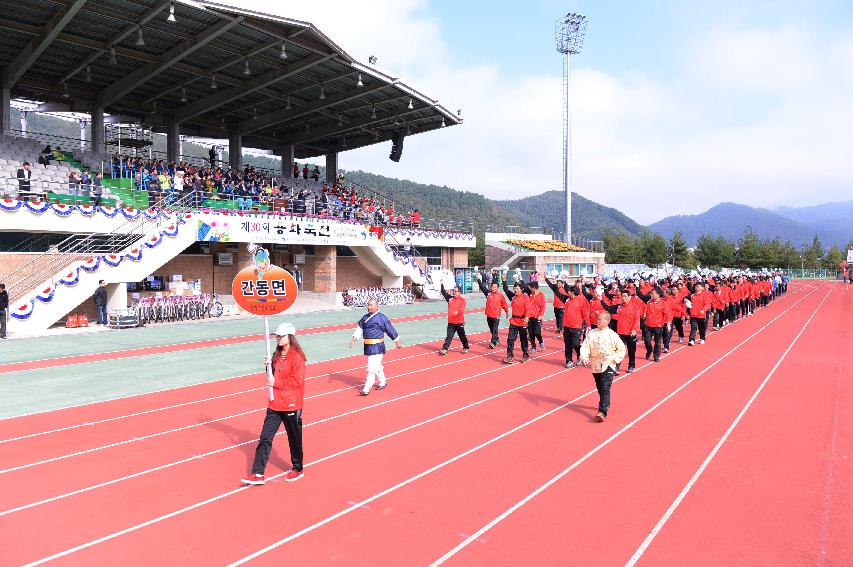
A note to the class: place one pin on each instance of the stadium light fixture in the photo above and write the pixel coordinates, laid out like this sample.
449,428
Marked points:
569,33
88,74
140,41
246,70
411,106
287,106
359,84
171,17
322,92
213,82
283,54
373,114
113,60
183,94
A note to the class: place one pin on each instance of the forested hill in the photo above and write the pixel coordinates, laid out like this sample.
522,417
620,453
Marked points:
589,219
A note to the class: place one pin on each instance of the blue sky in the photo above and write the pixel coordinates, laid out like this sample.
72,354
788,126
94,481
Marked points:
726,100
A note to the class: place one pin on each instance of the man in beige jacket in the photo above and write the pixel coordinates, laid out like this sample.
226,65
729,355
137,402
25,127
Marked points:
602,350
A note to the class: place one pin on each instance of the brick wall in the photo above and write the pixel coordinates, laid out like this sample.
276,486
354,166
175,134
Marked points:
324,270
496,257
352,273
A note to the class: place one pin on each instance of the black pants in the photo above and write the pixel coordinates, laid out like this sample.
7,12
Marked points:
534,331
653,335
558,317
678,325
293,425
515,331
572,342
667,336
603,381
631,346
2,323
700,323
494,325
452,330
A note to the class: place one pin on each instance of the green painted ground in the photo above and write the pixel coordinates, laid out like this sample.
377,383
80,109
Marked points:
33,391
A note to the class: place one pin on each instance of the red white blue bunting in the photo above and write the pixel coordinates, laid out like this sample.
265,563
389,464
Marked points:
62,209
154,240
108,211
38,207
87,210
112,260
10,204
131,214
92,264
46,294
135,255
170,231
72,278
24,310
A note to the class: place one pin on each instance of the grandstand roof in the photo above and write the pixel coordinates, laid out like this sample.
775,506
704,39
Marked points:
61,52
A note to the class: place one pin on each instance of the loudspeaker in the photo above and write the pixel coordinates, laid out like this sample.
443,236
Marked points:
396,146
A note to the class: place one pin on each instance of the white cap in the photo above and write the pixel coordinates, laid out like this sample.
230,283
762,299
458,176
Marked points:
284,329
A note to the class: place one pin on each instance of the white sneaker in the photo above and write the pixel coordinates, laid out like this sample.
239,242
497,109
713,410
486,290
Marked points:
701,341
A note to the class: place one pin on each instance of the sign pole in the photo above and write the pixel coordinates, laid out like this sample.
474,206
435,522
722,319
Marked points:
269,354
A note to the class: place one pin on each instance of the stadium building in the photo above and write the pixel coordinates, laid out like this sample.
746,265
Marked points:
134,70
541,253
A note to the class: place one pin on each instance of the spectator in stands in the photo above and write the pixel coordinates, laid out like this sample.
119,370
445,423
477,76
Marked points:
305,172
296,171
58,155
73,183
415,219
25,175
85,184
45,155
316,173
4,310
212,155
100,298
407,248
97,188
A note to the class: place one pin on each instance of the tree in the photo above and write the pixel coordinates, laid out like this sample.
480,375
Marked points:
707,252
727,252
749,250
652,248
790,256
620,248
678,251
813,255
834,256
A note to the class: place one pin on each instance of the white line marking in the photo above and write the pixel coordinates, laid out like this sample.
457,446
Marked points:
600,446
253,440
318,461
227,417
678,499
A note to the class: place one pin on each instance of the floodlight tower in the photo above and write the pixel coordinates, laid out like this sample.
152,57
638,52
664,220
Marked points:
568,33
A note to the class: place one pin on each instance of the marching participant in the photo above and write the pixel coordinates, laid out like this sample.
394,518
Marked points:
602,350
657,323
535,312
373,326
677,315
495,302
574,318
628,314
517,321
700,304
558,305
288,386
455,319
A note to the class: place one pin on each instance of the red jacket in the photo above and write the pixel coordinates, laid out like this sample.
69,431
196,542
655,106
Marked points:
519,305
628,317
456,310
558,303
657,313
577,311
495,303
289,387
701,303
537,304
676,308
596,306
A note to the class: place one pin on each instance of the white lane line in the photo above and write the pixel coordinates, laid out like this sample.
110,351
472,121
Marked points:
690,483
141,394
227,417
318,461
475,536
253,440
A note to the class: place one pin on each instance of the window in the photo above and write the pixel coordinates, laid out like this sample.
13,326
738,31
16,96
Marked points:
344,251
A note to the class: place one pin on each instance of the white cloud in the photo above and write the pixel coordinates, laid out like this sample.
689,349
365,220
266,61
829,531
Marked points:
755,115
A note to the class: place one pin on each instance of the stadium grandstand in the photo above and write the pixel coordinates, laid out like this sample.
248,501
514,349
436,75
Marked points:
130,71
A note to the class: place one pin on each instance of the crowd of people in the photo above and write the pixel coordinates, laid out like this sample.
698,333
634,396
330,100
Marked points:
360,297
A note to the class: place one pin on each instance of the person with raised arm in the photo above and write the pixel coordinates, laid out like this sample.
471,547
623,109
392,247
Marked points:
455,318
519,305
495,303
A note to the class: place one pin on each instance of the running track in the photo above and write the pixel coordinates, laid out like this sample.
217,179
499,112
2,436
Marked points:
737,452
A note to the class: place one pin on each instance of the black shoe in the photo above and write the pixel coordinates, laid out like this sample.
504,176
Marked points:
491,346
657,359
666,349
648,355
525,358
631,370
570,364
382,387
363,393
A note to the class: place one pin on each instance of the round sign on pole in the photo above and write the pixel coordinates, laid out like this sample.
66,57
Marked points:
264,292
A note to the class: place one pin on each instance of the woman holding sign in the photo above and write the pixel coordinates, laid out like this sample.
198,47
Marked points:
288,385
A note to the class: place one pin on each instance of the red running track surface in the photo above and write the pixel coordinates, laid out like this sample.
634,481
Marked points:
466,460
